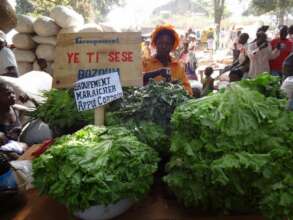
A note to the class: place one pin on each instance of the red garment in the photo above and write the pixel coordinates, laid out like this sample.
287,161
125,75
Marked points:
286,49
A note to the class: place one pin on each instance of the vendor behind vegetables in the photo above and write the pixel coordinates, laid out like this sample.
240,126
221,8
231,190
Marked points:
162,66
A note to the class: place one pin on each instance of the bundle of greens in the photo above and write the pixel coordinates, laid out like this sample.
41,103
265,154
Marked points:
266,84
95,165
60,113
233,151
147,111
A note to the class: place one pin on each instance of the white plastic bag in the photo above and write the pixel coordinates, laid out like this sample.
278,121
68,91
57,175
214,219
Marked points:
24,173
287,86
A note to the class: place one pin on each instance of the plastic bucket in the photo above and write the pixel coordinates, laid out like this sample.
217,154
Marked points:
101,212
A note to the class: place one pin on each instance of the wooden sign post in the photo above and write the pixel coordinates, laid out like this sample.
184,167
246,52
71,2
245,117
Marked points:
84,55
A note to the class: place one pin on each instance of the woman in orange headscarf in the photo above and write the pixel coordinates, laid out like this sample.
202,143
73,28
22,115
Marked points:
162,66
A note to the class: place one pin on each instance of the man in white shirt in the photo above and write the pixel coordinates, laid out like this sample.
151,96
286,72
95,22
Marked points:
8,65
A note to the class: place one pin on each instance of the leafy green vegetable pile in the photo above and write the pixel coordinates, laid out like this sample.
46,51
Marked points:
95,165
147,112
60,113
266,84
233,151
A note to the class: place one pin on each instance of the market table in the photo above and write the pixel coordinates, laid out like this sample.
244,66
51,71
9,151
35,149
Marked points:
158,205
155,207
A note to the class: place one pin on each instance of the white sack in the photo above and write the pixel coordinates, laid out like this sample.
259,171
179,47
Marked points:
24,55
91,27
33,84
45,40
49,69
46,27
46,52
23,41
24,67
70,30
25,24
66,17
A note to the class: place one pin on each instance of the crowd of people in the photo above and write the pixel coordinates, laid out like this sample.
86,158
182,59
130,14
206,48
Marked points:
250,57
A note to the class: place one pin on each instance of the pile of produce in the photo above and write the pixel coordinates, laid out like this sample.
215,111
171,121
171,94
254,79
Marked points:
59,111
232,151
95,165
265,84
147,112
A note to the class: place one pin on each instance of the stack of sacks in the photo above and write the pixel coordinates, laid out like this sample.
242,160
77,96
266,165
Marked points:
37,39
62,20
24,44
46,38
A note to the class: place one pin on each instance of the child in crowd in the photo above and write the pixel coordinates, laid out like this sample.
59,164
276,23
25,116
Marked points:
10,125
208,83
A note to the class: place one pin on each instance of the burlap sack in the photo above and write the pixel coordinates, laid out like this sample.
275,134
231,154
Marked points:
46,27
66,17
69,30
45,40
49,68
91,27
107,28
23,41
24,67
24,55
25,24
45,51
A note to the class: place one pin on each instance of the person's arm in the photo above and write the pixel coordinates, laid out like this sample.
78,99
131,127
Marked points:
273,53
185,81
242,56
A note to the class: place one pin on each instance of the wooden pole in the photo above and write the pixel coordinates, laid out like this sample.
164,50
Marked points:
99,116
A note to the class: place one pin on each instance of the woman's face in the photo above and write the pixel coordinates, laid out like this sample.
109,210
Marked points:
7,96
164,45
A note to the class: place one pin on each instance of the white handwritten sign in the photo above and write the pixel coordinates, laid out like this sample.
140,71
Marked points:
97,91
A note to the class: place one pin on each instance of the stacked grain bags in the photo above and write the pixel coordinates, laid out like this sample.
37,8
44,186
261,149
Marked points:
37,39
62,20
47,31
25,46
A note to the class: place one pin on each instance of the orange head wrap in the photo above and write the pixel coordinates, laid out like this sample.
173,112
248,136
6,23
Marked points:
167,27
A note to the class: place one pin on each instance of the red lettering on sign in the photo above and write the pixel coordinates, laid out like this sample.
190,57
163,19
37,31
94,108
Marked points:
97,57
111,57
127,56
124,56
90,56
73,57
